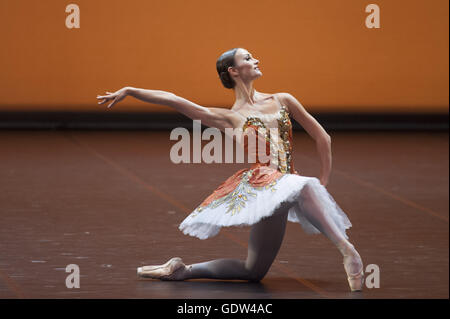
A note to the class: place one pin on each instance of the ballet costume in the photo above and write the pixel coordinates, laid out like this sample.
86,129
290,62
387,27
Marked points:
259,191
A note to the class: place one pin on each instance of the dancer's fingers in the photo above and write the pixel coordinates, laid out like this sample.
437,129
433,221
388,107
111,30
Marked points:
112,103
103,100
109,95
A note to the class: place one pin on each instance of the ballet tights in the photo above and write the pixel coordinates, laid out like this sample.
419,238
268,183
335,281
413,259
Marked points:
265,241
262,250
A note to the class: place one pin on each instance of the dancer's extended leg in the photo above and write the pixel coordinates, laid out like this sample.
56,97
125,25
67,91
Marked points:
313,209
265,241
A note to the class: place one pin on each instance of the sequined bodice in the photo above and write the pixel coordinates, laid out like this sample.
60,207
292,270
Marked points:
279,146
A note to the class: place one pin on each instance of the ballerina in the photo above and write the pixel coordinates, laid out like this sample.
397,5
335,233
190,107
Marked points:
268,193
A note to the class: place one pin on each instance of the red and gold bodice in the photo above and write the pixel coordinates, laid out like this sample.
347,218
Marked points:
274,131
263,174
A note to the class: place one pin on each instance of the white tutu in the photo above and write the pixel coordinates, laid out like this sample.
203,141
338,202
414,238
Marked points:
261,202
252,194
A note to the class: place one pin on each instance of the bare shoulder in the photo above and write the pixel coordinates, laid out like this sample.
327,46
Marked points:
285,98
306,120
291,102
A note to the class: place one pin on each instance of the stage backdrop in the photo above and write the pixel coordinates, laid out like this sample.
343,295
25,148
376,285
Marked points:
321,51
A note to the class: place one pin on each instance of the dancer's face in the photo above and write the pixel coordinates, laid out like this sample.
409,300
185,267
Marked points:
246,66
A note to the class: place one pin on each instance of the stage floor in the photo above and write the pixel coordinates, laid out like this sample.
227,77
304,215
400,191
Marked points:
111,201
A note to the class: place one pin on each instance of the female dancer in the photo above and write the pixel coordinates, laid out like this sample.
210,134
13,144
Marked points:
266,195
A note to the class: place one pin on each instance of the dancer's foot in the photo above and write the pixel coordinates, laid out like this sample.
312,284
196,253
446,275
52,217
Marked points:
150,268
171,270
353,265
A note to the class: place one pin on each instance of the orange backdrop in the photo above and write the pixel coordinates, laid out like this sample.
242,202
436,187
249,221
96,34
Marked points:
319,51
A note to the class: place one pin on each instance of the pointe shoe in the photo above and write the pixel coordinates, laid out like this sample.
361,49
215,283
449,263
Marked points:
150,268
352,257
355,280
171,270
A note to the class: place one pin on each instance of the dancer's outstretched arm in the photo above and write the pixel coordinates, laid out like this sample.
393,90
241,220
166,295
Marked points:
209,116
315,130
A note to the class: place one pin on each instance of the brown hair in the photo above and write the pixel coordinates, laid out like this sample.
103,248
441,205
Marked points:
223,63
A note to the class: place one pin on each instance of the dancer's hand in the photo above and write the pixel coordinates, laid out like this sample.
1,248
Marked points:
115,97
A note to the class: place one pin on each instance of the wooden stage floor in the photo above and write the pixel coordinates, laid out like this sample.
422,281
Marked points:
111,201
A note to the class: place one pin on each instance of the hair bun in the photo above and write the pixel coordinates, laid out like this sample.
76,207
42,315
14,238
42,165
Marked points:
226,79
225,61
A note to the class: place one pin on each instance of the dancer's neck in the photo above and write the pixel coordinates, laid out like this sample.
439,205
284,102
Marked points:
244,93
